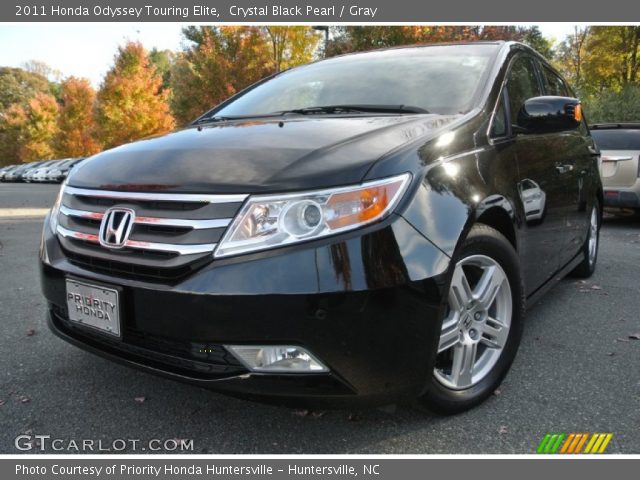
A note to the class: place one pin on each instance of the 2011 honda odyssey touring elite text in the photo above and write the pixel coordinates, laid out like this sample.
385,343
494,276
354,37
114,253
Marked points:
365,228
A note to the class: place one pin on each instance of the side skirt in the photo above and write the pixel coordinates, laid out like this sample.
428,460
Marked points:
559,275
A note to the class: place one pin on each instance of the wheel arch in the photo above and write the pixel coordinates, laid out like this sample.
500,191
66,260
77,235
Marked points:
501,220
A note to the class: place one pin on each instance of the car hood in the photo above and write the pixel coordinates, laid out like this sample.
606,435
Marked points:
252,156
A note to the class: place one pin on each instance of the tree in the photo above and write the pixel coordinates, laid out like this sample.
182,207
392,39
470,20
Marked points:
291,46
53,75
360,38
163,61
77,129
19,86
219,62
41,68
613,57
34,127
571,56
534,38
611,106
131,103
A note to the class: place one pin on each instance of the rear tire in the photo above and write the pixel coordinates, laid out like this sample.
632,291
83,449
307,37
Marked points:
481,331
591,245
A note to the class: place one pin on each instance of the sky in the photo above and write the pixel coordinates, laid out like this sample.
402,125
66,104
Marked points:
87,50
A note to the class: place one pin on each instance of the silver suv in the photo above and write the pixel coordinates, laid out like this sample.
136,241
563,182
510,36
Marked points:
619,144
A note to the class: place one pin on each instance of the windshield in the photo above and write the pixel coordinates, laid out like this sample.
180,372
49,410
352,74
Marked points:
618,139
439,79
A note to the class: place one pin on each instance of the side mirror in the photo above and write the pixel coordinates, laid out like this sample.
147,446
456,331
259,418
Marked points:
550,114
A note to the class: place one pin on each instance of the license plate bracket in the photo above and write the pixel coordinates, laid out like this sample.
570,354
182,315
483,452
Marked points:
94,306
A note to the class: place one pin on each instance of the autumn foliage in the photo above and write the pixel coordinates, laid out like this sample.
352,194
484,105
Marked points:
77,128
148,93
131,103
221,62
35,127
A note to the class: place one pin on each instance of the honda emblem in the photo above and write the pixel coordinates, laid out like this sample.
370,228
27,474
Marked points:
115,227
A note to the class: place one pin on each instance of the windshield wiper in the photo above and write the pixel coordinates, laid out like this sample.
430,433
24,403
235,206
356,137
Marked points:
325,109
355,108
224,118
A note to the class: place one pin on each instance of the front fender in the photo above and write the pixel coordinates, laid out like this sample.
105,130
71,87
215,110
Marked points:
457,191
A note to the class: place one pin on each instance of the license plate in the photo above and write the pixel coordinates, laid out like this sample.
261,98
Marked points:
93,306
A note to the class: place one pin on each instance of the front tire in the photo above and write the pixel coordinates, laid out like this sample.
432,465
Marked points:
481,331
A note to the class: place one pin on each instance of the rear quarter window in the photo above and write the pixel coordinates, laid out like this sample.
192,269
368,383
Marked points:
618,139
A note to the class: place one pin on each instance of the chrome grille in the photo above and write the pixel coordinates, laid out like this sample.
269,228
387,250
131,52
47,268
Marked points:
170,231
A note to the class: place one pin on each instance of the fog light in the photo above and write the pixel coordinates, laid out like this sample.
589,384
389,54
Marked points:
277,358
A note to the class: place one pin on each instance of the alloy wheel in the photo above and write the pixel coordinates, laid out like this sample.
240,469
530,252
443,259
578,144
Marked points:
593,236
475,330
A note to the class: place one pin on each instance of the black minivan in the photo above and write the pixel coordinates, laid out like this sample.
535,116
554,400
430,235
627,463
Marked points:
369,227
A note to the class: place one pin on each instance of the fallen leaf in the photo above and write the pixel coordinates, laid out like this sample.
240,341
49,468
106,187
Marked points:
497,392
301,413
635,336
2,402
140,399
503,430
595,287
611,354
24,399
622,339
31,332
318,414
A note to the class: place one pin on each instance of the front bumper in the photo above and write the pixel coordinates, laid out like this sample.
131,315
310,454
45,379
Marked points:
367,305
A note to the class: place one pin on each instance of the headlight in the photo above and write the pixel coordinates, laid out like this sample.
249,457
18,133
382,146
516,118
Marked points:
55,210
269,221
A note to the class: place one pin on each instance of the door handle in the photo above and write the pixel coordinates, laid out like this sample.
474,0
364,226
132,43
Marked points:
563,168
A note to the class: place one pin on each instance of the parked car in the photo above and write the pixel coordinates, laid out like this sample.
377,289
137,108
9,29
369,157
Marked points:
60,171
620,147
349,230
534,199
6,170
17,174
41,175
10,174
36,172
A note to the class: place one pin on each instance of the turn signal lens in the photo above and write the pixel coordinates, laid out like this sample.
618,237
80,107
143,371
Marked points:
360,206
271,221
577,113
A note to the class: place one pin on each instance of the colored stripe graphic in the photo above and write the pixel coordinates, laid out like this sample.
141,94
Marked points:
574,442
550,443
577,448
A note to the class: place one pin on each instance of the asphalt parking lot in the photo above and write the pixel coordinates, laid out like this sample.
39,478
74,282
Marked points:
577,371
